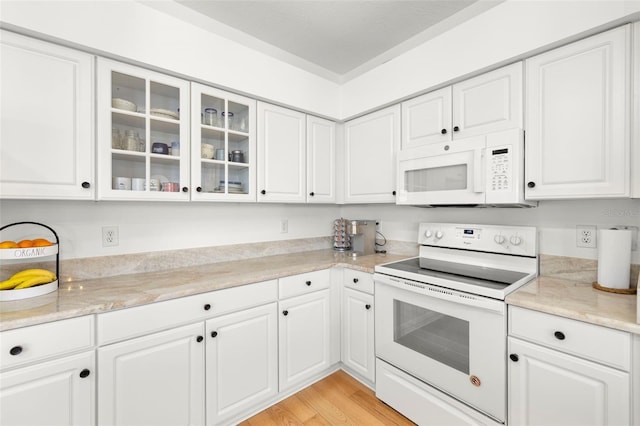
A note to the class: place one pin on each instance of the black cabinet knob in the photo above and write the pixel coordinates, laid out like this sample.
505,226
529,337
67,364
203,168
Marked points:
285,313
456,128
214,334
185,189
531,184
199,339
443,131
85,373
207,307
312,194
86,185
355,280
394,193
199,189
559,335
16,350
367,306
514,357
308,283
263,192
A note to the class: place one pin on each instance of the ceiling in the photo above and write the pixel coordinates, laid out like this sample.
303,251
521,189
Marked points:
338,40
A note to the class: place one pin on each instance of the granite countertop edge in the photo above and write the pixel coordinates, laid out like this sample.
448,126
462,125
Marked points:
578,301
100,295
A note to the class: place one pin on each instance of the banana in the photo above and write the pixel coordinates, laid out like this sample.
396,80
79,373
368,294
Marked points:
9,284
30,282
34,272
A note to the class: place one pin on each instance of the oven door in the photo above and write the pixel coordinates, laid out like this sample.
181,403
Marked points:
447,173
451,340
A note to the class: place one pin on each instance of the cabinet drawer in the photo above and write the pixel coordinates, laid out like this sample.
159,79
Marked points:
358,280
303,283
45,340
601,344
138,321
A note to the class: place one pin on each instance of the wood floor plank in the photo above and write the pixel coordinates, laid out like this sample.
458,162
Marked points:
338,399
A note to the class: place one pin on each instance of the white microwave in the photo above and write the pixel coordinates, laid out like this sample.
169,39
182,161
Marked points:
478,171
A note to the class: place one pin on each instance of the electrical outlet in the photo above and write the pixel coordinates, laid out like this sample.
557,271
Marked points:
284,226
586,236
110,236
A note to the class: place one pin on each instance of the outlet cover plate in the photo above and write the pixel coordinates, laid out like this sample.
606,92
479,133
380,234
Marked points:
586,236
110,237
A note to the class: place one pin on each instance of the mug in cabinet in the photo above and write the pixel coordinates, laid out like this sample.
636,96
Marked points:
138,184
160,148
121,183
154,184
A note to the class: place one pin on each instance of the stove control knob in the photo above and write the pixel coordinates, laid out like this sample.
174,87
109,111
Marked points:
515,240
499,239
439,235
428,234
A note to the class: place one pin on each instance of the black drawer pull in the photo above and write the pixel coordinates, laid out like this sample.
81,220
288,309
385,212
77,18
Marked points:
16,350
443,131
285,313
514,357
559,335
308,283
207,307
355,281
367,307
86,185
214,334
199,339
85,373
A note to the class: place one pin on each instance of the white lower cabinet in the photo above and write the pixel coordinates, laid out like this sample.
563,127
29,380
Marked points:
304,337
242,362
55,393
358,333
561,372
153,380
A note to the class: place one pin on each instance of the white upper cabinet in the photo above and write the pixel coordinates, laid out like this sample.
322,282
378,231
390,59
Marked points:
321,160
635,150
488,103
143,134
371,143
281,154
46,120
223,145
578,119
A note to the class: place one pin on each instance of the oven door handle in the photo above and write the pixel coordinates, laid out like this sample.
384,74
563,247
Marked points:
436,292
478,170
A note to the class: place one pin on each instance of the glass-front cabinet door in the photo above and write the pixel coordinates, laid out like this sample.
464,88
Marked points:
223,149
143,134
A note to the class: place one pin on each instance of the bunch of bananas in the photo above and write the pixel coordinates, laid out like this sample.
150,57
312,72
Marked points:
28,278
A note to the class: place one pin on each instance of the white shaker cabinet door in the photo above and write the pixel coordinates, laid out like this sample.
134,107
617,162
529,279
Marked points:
321,160
488,103
547,387
54,393
371,144
46,120
304,337
153,380
281,154
358,333
578,119
427,119
242,362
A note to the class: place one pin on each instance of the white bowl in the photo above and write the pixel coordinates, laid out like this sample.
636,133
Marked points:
123,104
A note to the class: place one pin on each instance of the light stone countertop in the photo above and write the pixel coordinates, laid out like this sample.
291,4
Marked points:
579,301
91,296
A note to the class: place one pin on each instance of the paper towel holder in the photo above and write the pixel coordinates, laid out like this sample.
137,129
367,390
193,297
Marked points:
614,290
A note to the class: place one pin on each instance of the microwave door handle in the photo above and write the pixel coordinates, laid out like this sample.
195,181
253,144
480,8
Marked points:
478,169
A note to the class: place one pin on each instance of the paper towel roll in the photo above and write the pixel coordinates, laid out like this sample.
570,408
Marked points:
614,258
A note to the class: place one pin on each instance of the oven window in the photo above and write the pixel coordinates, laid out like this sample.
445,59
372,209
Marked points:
433,334
445,178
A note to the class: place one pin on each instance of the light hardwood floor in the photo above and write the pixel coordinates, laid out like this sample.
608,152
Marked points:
336,399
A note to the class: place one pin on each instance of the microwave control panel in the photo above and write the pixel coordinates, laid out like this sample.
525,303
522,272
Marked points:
501,175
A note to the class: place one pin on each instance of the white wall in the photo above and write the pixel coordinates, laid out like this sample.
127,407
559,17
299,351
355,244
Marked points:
555,220
506,32
147,226
129,29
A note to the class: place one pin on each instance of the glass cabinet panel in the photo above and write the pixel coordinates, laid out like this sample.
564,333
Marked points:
223,146
143,134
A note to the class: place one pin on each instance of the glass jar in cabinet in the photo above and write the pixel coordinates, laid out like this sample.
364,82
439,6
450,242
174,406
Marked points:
143,134
223,145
